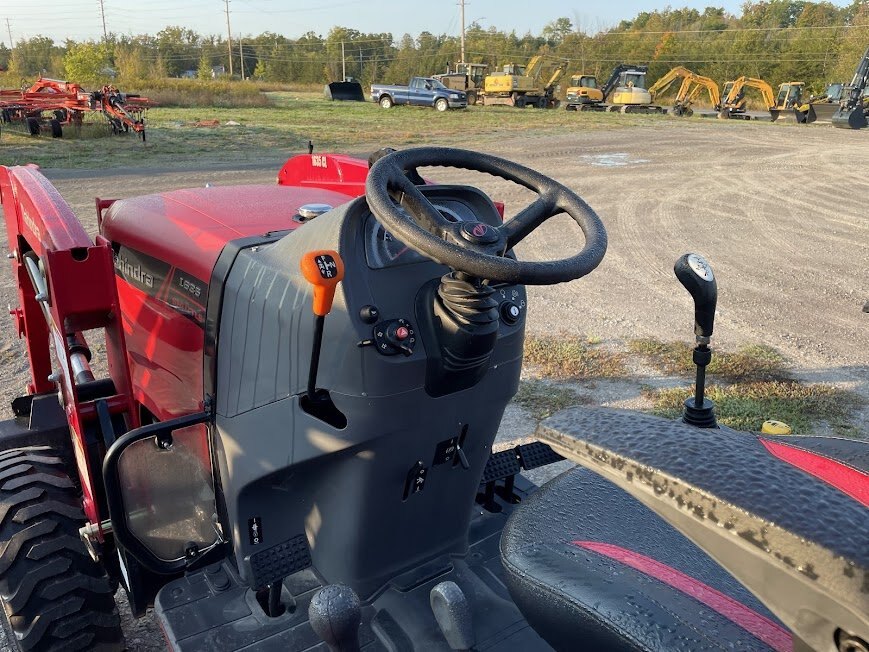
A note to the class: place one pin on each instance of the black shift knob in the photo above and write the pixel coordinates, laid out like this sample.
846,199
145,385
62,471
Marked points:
335,615
696,275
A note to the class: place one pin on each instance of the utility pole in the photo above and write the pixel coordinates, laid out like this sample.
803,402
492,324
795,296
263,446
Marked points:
462,5
229,37
343,64
9,29
241,57
103,14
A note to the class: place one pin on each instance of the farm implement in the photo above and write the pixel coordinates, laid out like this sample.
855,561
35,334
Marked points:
51,105
290,446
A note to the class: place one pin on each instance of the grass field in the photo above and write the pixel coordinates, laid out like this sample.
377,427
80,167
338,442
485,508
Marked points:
292,119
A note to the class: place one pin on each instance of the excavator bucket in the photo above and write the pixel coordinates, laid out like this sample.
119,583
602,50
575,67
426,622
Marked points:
344,91
853,119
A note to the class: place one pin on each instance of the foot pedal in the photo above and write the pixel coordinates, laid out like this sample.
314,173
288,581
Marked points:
453,615
536,454
273,564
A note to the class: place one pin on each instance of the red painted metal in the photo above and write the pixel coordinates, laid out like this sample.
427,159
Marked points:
850,481
47,96
82,296
336,172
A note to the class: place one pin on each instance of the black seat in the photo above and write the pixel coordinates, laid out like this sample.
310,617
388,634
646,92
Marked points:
593,568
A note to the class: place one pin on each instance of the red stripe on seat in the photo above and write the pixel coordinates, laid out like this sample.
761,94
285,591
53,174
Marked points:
847,479
761,627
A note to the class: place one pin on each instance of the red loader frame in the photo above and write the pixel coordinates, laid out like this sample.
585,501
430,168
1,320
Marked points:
66,286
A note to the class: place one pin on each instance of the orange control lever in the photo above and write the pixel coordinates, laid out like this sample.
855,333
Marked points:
323,269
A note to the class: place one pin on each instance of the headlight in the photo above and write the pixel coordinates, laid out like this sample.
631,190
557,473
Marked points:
454,96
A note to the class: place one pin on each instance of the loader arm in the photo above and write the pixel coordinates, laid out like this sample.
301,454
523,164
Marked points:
663,84
532,70
557,74
852,94
693,85
66,286
750,82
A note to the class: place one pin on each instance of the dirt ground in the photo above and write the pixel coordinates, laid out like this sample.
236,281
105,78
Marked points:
779,211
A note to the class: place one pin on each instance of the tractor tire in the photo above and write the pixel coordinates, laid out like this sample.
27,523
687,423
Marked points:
56,129
53,595
386,102
521,101
472,98
32,126
441,104
542,103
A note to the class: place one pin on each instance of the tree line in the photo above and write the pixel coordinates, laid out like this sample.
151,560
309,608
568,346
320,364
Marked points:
776,40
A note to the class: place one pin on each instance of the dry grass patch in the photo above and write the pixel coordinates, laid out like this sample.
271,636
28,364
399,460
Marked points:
745,406
542,399
754,362
572,357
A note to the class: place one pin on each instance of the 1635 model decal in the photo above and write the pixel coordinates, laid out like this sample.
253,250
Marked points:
176,288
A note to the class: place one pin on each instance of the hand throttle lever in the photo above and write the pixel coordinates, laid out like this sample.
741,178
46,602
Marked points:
696,275
323,269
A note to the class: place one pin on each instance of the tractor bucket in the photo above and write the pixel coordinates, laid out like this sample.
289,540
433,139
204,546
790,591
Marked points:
853,119
344,91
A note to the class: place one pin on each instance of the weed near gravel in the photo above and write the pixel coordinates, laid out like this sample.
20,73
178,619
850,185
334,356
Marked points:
543,399
753,362
572,357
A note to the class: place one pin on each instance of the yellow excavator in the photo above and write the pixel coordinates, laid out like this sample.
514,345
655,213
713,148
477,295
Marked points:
625,89
583,90
520,86
691,87
788,104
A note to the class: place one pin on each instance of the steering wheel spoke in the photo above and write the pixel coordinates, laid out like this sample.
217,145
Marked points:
418,205
525,221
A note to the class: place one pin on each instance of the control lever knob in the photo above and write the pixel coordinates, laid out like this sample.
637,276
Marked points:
453,615
323,269
696,275
335,614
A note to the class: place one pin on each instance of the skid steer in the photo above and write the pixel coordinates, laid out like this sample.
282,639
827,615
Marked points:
290,444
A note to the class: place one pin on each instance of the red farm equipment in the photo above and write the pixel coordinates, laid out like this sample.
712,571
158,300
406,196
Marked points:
270,476
50,105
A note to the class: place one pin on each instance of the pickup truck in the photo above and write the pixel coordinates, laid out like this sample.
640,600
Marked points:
421,91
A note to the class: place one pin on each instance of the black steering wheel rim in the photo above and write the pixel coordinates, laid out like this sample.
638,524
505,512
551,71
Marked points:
421,227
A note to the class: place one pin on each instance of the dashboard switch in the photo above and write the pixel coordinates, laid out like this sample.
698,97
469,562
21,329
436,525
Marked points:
510,312
394,336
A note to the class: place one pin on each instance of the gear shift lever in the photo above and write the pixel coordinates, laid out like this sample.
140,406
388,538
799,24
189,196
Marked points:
324,270
696,275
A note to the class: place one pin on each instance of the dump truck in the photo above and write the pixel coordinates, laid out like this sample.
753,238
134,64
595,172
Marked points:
521,86
467,77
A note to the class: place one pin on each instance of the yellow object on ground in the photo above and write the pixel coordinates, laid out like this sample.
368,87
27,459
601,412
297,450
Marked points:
772,427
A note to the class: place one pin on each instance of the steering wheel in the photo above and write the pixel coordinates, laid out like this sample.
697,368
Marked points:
476,248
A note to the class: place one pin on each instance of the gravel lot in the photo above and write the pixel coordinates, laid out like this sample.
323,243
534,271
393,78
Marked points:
779,211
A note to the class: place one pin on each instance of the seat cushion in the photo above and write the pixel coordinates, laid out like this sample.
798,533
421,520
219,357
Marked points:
591,568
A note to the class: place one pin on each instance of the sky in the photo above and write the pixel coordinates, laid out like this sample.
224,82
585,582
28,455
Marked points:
81,19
